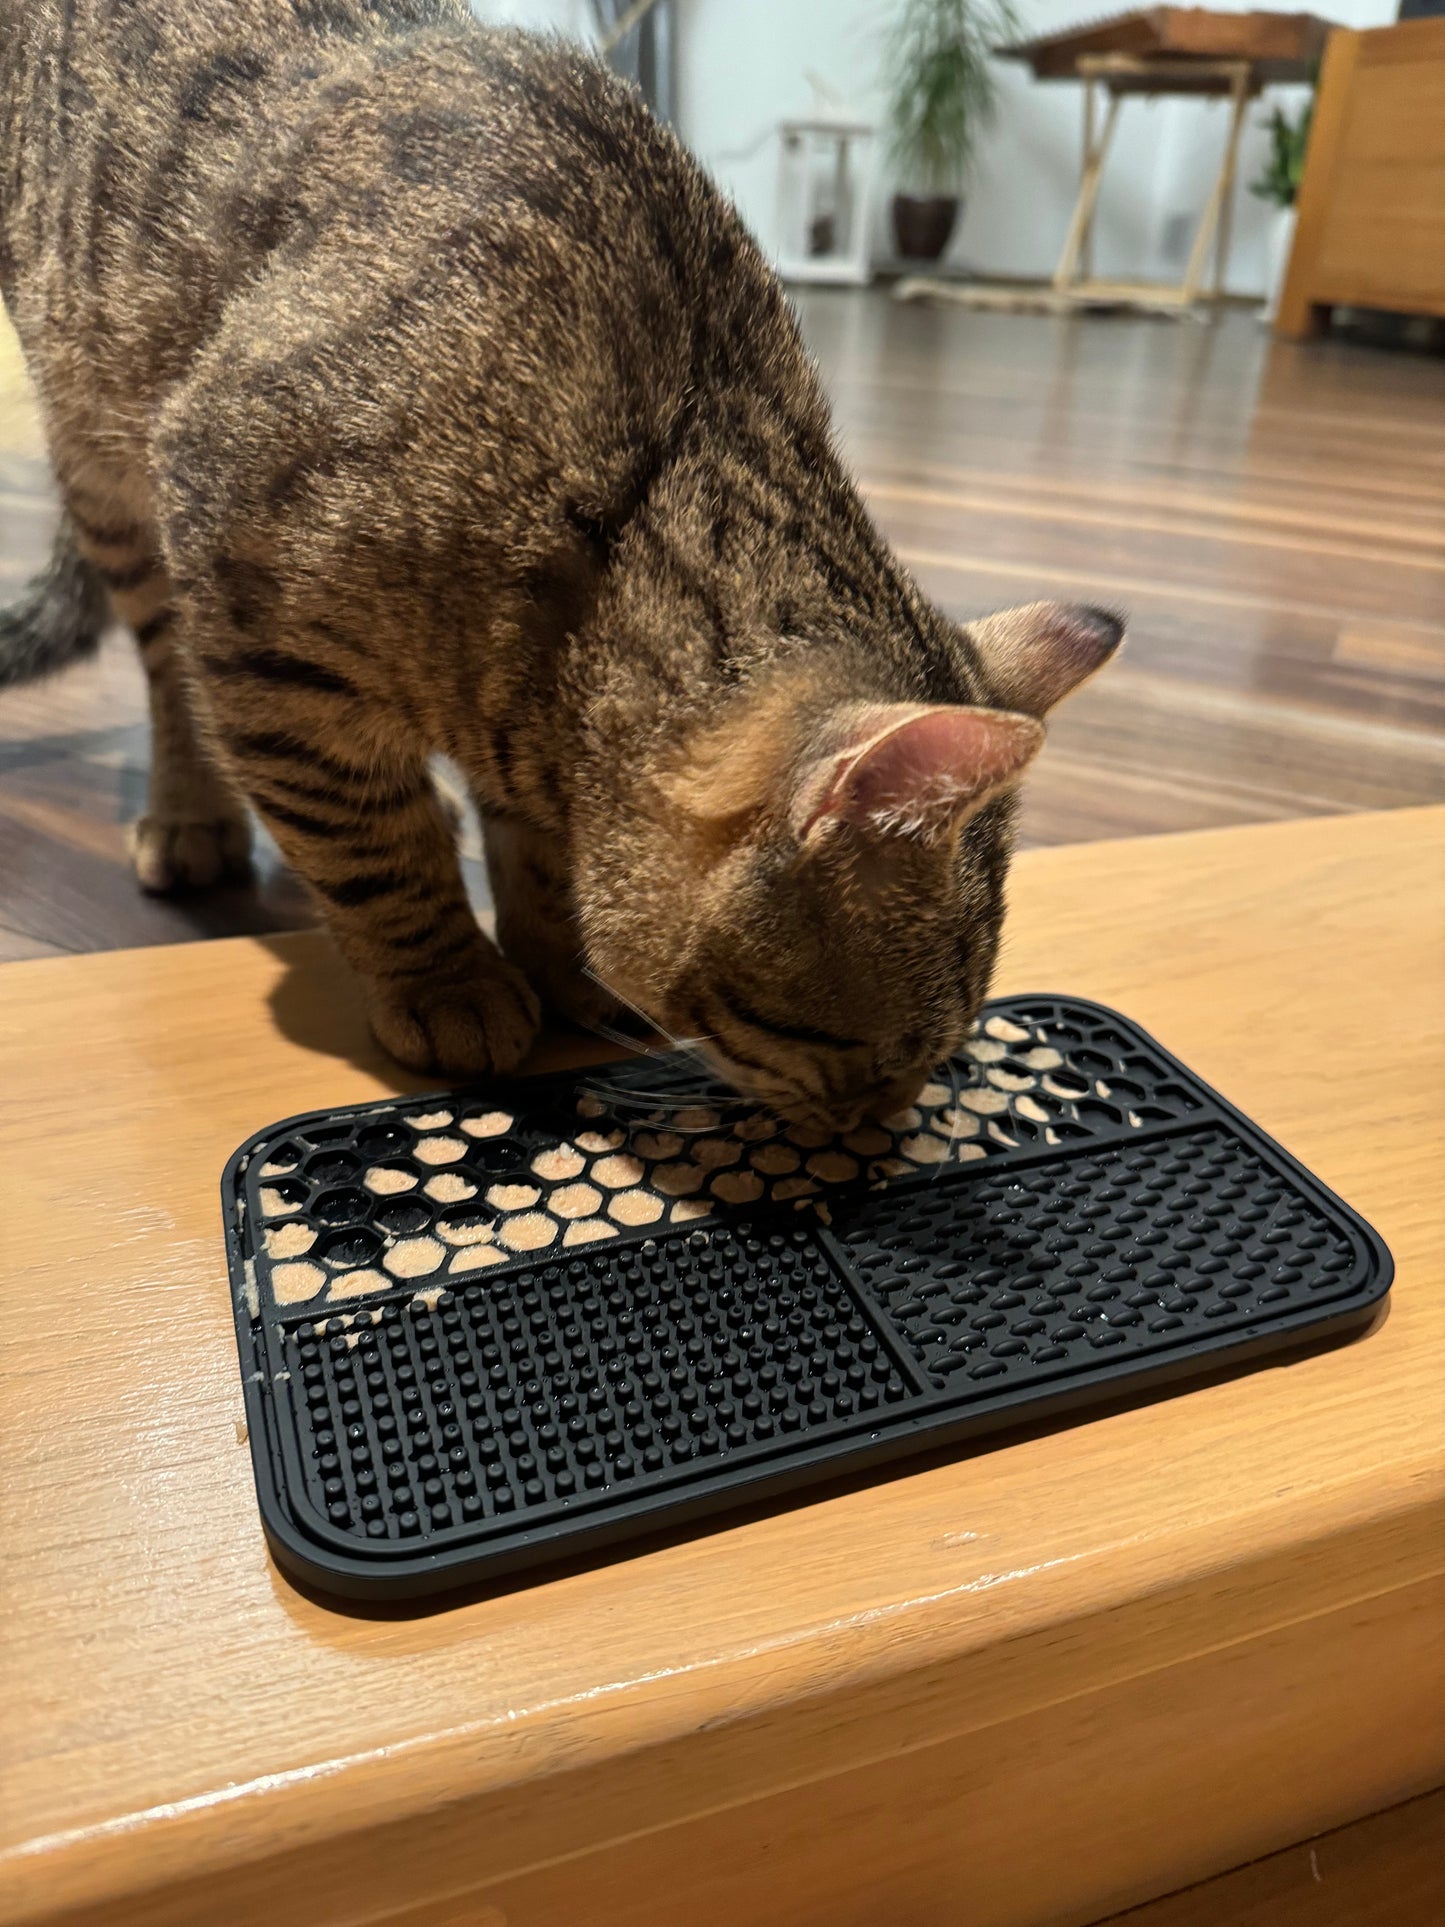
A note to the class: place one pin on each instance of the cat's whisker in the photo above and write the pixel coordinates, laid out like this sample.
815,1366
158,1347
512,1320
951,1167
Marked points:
955,1113
627,1004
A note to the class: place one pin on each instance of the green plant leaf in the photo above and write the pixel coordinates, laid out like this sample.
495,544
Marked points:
941,86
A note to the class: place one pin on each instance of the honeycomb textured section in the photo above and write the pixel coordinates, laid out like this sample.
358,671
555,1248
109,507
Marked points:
608,1374
1020,1278
431,1193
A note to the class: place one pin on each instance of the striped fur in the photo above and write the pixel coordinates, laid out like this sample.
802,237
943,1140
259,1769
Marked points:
410,390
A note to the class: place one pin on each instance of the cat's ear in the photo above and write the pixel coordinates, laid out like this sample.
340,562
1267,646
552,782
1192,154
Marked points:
905,769
1034,656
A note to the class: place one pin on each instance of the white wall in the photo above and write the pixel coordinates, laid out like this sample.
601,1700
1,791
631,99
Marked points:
743,65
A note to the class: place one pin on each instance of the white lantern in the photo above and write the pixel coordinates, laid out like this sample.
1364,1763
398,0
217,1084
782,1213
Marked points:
826,181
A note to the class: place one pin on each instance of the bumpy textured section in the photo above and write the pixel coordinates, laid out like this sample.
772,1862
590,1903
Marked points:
621,1371
1026,1278
482,1330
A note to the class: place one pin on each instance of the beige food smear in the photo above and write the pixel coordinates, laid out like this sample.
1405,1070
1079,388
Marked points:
449,1187
1001,1136
273,1204
809,1137
575,1201
1056,1089
984,1052
288,1240
487,1124
429,1120
253,1297
869,1140
737,1187
833,1167
902,1121
275,1170
617,1172
985,1103
636,1207
698,1118
557,1165
686,1208
429,1297
657,1144
1031,1108
1010,1080
528,1233
601,1140
414,1258
778,1159
1006,1031
439,1150
588,1231
956,1123
756,1126
677,1180
513,1197
351,1284
962,1151
925,1148
1042,1058
713,1152
385,1180
932,1094
294,1284
787,1188
475,1256
464,1234
589,1106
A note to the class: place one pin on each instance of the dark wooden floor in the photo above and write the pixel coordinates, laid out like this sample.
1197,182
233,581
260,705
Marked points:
1271,515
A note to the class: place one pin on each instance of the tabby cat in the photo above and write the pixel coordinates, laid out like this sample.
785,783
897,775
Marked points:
409,389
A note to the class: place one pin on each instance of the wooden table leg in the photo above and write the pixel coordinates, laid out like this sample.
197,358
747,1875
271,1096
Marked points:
1086,254
1083,215
1238,97
1209,222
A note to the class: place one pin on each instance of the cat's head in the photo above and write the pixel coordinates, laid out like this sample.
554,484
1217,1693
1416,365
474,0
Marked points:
814,890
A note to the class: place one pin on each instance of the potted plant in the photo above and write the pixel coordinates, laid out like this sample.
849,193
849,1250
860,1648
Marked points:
941,92
1279,182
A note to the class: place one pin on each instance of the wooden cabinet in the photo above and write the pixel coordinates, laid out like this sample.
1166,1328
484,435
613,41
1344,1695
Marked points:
1371,228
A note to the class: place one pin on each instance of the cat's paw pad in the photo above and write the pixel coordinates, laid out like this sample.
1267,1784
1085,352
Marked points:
463,1026
172,855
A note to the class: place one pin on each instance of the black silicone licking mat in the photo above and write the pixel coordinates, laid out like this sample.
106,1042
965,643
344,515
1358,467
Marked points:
482,1330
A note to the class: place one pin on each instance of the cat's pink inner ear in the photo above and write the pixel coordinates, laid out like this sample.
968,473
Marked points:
909,769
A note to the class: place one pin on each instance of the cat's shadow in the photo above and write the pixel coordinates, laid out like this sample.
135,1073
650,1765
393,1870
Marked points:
316,1004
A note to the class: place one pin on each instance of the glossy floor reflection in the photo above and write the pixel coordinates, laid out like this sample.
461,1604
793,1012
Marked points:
1271,515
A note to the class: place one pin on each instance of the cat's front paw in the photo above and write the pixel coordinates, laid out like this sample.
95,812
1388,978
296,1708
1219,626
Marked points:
173,855
464,1024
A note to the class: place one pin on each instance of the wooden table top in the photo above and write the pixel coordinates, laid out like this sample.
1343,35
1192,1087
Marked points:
1046,1679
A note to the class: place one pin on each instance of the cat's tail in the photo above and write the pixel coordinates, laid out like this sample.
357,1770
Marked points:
58,620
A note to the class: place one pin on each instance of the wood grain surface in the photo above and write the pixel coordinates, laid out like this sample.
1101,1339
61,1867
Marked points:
1038,1683
1271,515
1386,1870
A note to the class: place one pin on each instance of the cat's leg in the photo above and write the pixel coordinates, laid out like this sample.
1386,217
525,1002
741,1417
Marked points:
194,832
354,809
536,926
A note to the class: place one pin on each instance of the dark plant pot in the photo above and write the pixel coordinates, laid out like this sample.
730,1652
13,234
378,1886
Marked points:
922,224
